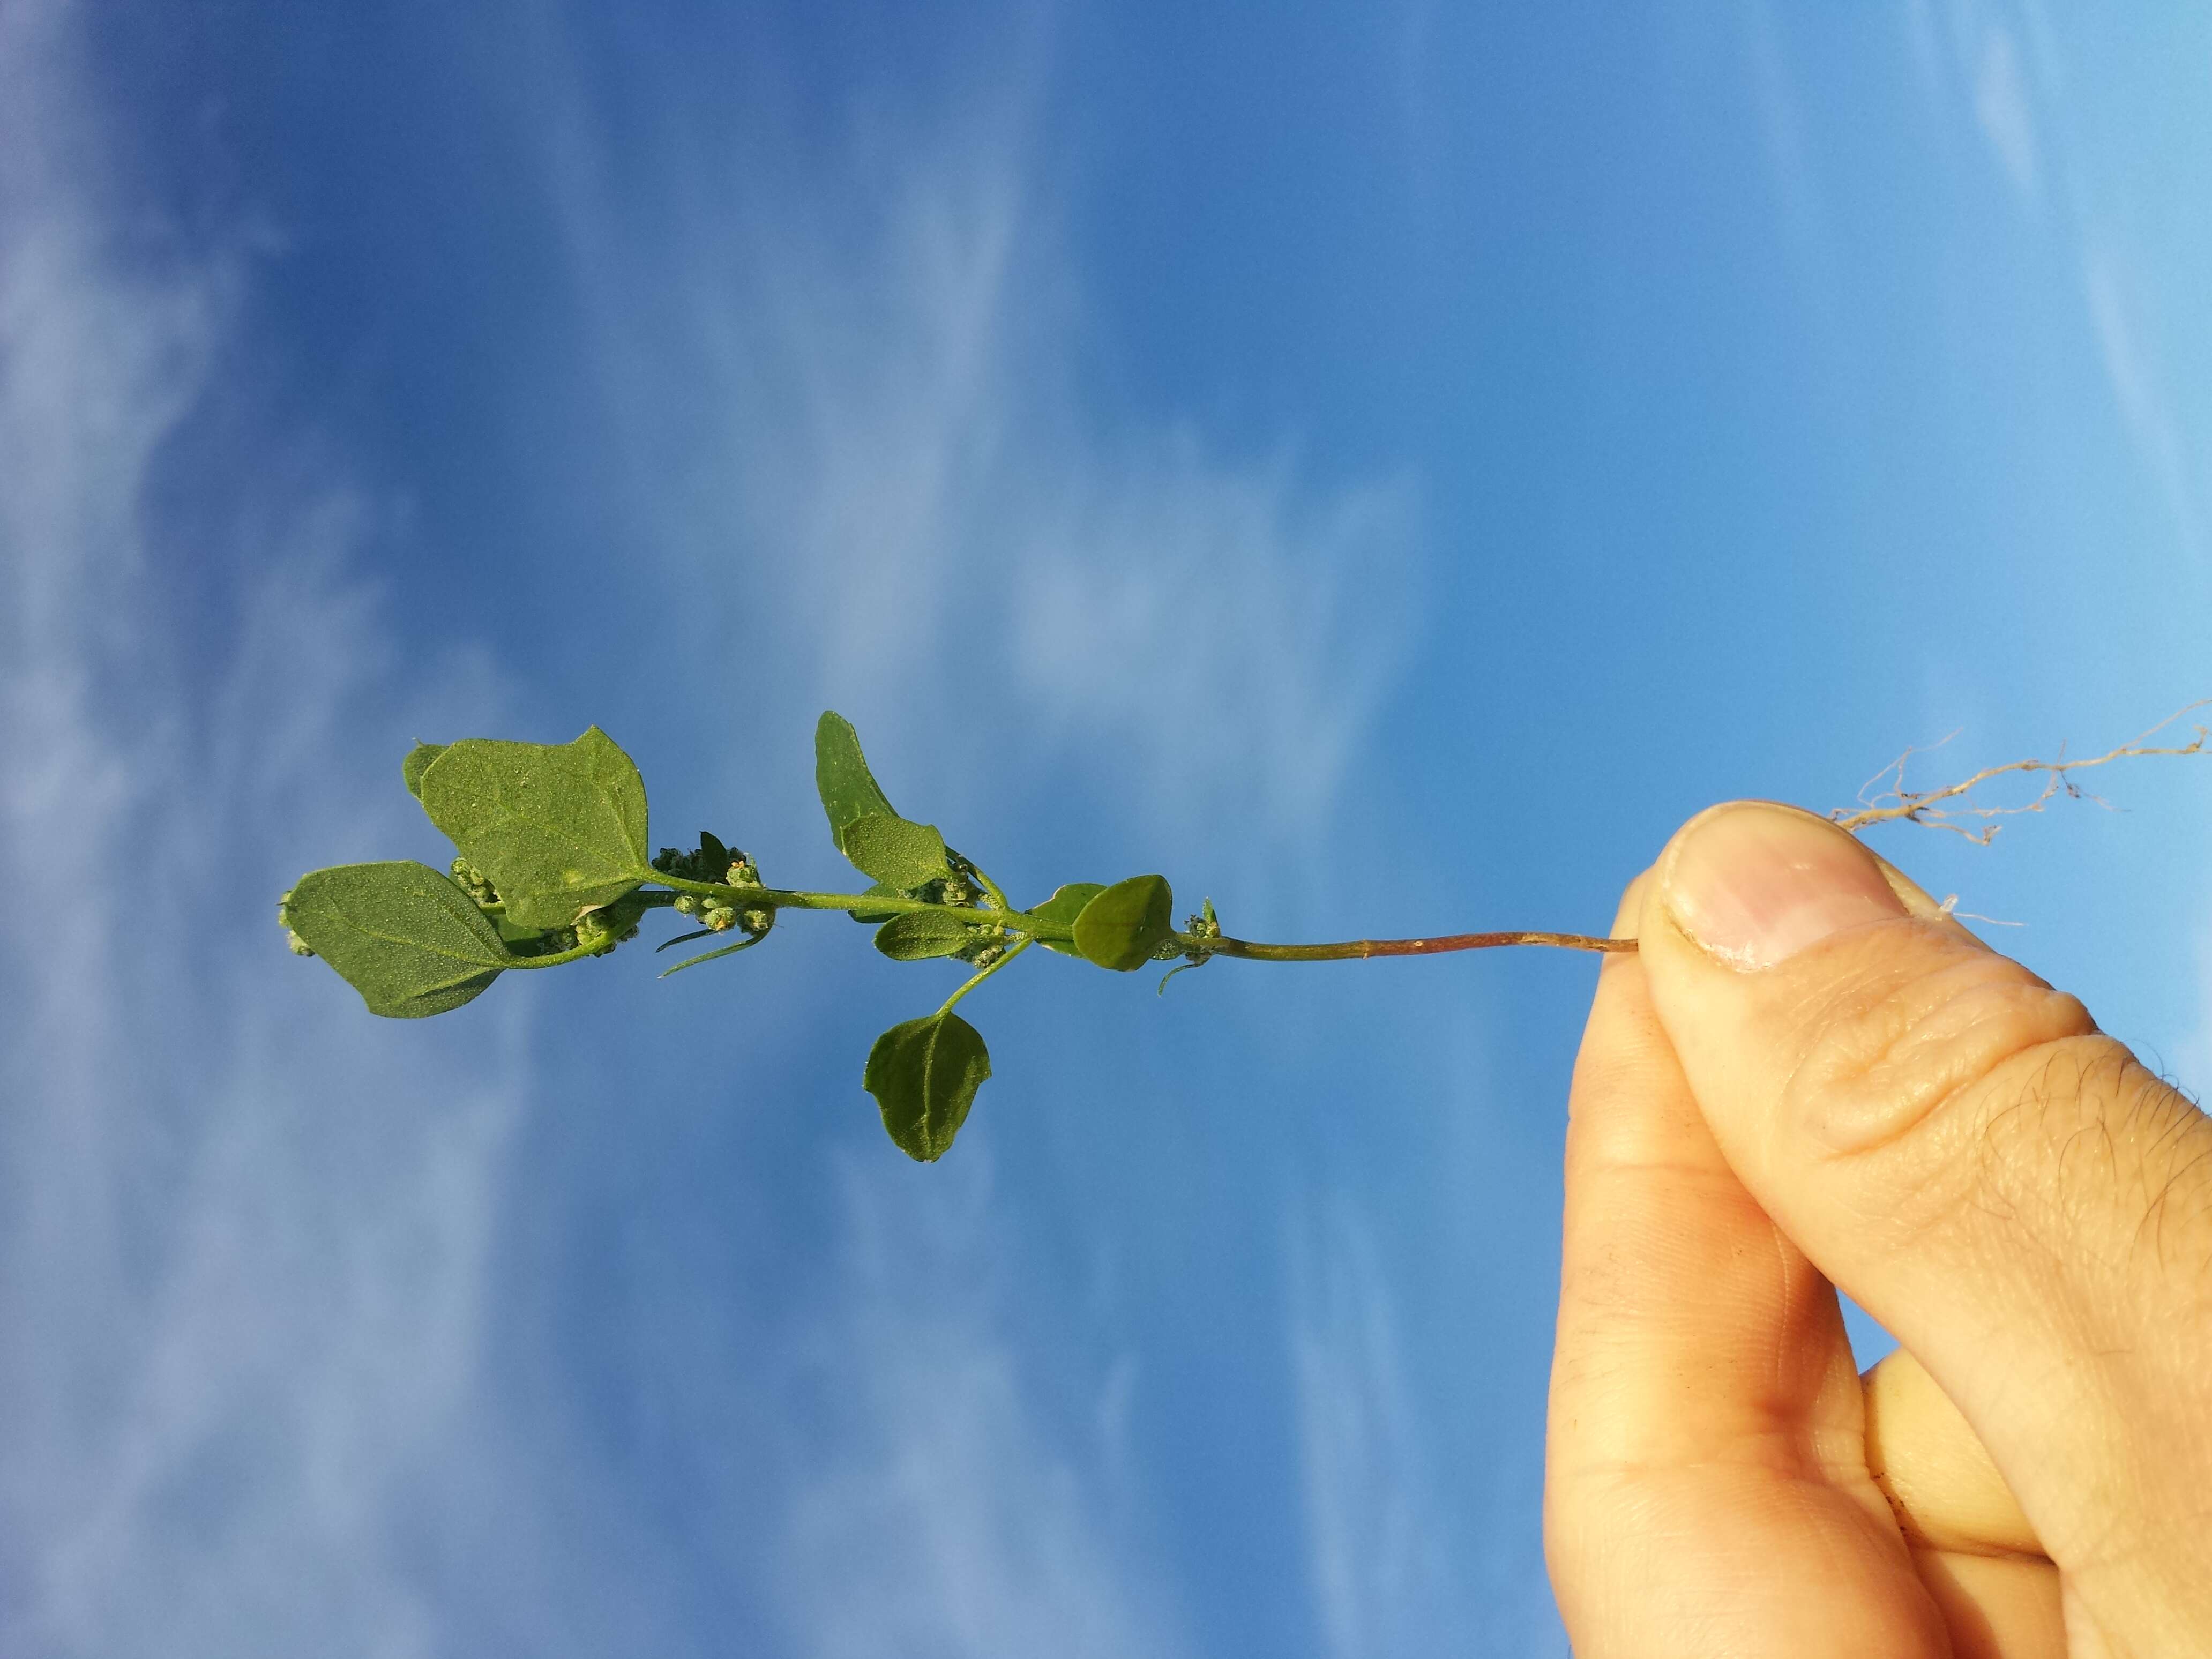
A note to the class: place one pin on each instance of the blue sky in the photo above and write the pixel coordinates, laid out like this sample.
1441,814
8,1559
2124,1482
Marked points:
1383,466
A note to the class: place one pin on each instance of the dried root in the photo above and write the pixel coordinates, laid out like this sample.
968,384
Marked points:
1953,808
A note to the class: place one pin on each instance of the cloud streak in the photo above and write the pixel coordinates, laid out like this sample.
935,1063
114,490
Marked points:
2007,65
253,1240
940,1512
244,1230
1380,1555
877,369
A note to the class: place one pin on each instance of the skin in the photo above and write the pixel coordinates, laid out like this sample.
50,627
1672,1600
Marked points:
1877,1102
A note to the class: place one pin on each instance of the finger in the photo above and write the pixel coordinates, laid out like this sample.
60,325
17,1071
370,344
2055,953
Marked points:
1706,1490
1940,1480
1997,1606
1971,1545
1953,1142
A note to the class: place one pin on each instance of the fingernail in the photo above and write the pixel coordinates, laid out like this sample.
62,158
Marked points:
1754,884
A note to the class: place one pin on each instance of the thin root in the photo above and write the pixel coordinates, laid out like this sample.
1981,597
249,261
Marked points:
1945,808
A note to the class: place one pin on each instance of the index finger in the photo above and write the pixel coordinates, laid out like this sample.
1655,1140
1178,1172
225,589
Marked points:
1706,1468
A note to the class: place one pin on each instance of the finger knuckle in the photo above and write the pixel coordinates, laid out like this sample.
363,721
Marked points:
1990,1100
1895,1052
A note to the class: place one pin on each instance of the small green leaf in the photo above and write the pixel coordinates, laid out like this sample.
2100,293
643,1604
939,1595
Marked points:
1063,907
924,1075
848,790
417,764
556,827
1120,927
922,934
900,854
404,936
744,944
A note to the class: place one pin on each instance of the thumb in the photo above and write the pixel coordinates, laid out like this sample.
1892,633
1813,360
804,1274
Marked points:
1956,1146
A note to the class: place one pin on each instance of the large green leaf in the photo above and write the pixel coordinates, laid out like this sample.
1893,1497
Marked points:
402,935
898,853
417,764
1063,907
848,790
922,934
556,827
1120,927
924,1075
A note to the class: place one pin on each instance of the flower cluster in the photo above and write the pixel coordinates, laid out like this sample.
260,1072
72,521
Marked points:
299,946
722,866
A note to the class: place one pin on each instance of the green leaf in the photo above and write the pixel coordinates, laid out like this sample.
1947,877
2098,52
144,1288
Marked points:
556,827
1063,907
896,853
1120,927
402,934
899,855
922,934
848,790
744,944
417,763
924,1075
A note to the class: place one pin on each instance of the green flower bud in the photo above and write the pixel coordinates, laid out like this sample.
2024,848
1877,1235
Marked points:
472,881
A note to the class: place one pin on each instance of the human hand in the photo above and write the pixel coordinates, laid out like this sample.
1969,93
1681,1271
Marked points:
1810,1075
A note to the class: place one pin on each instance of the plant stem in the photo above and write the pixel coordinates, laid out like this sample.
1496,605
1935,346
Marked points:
1359,949
990,888
1022,921
976,979
556,958
870,904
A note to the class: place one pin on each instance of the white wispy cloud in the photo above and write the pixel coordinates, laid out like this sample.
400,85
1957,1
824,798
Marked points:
245,1228
1384,1570
1782,129
248,1249
2005,63
875,370
2001,104
933,1512
2137,387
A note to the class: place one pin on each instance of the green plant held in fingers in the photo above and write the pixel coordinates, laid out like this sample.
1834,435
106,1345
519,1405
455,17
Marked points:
551,867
